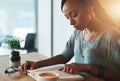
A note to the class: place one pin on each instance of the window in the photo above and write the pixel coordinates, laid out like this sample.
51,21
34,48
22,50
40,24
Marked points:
17,17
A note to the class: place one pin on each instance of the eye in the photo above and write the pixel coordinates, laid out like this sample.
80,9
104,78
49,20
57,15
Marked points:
73,14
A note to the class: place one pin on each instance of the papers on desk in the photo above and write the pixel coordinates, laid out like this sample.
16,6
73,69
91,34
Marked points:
54,68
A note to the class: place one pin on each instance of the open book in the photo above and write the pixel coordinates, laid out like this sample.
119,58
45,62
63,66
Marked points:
54,68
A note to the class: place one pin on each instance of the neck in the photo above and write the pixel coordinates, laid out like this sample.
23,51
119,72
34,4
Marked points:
94,29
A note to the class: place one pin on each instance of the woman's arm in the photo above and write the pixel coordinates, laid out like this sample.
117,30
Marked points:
107,75
59,59
101,73
111,76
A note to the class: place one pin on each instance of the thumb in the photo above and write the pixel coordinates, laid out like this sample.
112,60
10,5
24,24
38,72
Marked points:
60,69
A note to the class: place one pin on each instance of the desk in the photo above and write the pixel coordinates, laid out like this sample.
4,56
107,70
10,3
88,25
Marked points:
5,51
34,56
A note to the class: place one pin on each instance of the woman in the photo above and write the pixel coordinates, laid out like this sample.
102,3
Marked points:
94,34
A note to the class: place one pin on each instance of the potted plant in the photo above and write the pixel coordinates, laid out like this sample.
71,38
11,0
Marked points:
13,43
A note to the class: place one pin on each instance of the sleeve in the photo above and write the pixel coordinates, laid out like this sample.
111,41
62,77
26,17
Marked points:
68,51
111,50
114,49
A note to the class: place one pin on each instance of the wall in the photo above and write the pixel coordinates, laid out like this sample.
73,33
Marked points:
61,28
44,27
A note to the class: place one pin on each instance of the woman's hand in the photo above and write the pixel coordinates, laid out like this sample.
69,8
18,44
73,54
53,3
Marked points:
27,65
75,67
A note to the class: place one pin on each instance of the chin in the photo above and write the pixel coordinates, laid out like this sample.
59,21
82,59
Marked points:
80,28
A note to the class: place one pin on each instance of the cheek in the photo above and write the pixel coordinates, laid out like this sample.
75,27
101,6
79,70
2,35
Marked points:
84,20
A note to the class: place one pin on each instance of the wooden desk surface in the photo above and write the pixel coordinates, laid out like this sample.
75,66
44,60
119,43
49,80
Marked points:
34,56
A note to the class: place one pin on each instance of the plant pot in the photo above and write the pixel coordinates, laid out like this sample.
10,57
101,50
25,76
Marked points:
14,59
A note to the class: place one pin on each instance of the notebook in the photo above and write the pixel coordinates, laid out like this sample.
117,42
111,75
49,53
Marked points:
54,68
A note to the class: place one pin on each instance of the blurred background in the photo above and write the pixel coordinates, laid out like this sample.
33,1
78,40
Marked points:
44,19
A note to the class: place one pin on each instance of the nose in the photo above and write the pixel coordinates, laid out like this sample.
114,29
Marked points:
72,22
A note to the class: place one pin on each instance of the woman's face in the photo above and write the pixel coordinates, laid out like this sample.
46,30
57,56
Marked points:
78,15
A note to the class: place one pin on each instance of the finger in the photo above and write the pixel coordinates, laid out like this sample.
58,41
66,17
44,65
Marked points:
21,69
33,66
26,66
60,69
64,68
67,69
71,70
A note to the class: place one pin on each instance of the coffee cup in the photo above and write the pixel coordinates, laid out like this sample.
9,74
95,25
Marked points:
47,76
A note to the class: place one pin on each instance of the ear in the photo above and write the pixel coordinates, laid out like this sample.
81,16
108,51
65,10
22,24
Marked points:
91,11
91,8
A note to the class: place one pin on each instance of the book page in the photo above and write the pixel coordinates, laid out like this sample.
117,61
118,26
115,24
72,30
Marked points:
54,68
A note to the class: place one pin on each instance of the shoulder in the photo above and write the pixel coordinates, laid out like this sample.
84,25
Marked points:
112,33
110,36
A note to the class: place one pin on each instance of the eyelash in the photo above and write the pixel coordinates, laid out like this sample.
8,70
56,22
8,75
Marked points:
73,15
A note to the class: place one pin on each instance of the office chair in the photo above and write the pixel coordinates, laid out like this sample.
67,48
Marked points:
30,42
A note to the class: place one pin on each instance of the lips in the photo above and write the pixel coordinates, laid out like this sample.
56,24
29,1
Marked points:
76,26
79,28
